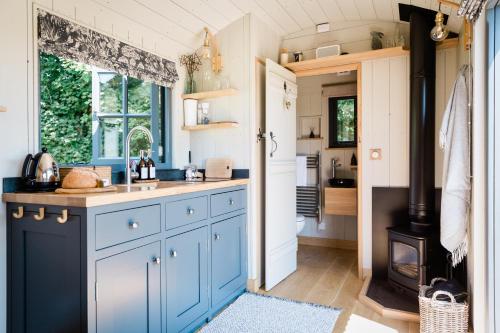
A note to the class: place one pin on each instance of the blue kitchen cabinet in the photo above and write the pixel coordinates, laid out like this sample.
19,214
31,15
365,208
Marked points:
44,265
228,258
165,264
187,278
128,291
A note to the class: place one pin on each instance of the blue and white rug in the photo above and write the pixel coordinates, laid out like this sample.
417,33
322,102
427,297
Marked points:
252,313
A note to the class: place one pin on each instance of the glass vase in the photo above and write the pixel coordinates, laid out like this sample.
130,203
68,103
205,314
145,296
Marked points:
190,85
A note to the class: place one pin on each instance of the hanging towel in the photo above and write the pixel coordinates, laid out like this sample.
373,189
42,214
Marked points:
301,171
455,198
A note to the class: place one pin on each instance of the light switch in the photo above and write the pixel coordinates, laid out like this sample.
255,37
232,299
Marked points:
375,154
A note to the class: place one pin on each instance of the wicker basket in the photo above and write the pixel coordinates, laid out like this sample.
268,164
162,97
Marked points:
104,172
437,316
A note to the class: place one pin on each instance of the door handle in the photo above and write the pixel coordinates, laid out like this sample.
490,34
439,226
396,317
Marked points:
156,260
190,211
217,236
133,225
274,144
173,253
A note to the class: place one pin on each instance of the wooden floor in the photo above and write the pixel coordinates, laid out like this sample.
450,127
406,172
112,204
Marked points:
329,277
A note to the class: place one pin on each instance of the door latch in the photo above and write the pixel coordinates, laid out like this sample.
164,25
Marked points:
261,135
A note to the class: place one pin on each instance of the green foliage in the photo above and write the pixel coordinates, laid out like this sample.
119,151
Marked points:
346,120
66,109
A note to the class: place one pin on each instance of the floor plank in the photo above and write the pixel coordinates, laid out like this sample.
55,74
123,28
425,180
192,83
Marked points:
329,276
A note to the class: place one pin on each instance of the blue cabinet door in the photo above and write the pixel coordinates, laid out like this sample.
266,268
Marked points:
228,258
128,291
187,278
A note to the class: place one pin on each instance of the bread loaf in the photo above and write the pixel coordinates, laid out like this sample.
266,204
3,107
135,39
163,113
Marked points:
80,178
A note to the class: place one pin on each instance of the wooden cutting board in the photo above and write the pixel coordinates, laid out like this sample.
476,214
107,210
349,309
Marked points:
219,168
86,190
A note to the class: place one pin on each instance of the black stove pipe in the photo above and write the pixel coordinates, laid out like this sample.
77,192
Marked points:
422,121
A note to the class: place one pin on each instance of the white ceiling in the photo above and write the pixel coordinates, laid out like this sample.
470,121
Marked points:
183,20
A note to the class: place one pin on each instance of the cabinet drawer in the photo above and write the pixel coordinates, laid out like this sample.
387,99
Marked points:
223,203
126,225
182,212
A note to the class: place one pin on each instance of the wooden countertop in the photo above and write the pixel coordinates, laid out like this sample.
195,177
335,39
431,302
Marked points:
136,192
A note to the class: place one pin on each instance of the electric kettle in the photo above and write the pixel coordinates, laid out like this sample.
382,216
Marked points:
40,172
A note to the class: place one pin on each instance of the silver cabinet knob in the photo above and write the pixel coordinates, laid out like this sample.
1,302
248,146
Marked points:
231,202
217,236
190,211
133,225
157,260
173,253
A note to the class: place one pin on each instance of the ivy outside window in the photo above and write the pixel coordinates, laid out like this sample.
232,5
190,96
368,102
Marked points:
342,124
86,113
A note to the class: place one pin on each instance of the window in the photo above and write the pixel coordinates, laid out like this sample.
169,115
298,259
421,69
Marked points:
342,112
86,113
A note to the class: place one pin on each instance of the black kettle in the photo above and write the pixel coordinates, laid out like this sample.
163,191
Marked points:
40,172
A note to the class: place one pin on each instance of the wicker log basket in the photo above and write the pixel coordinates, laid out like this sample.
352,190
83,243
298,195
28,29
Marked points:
442,316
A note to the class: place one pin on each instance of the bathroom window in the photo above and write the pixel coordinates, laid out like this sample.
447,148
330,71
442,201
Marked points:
342,113
86,113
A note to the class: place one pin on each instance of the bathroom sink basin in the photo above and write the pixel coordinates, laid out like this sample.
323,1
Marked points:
341,182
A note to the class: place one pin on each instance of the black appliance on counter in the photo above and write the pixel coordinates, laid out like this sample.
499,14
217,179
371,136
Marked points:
40,173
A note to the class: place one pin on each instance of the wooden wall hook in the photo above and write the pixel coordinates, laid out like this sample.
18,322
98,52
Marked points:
20,212
64,216
41,214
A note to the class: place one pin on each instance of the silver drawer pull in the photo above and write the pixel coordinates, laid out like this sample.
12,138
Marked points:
157,260
190,211
231,202
173,253
217,236
133,225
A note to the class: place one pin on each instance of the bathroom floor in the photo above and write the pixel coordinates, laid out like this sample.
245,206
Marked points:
329,277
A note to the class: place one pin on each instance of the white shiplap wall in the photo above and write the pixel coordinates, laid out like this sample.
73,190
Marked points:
385,125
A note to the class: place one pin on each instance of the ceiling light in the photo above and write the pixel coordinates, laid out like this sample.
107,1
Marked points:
439,32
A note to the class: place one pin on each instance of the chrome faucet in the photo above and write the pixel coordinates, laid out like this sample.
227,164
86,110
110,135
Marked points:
127,148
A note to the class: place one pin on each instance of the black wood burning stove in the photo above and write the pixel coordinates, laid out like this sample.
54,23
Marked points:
410,245
409,252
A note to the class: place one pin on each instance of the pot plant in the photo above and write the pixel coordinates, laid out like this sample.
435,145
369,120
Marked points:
192,62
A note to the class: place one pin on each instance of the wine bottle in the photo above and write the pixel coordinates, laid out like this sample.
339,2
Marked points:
151,166
143,168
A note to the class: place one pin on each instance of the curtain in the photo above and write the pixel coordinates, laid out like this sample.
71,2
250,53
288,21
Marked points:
471,9
66,39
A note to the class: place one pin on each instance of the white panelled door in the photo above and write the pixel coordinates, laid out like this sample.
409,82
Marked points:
280,192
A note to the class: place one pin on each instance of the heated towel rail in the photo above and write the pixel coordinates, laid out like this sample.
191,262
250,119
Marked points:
309,197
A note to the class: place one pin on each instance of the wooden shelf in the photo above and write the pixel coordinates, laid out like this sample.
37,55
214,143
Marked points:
346,62
218,125
211,94
309,139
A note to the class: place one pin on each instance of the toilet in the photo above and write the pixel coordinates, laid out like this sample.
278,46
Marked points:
301,222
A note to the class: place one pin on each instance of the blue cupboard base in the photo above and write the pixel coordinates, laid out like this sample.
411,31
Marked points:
145,251
202,321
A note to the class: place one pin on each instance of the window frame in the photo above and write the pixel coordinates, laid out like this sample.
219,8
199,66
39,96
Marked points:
159,134
332,122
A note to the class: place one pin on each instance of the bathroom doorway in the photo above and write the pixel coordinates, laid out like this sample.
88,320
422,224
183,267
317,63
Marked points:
327,126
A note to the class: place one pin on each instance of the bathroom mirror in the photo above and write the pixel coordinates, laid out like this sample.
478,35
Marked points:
342,122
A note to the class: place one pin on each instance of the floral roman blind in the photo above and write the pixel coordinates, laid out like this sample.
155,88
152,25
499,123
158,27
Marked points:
69,40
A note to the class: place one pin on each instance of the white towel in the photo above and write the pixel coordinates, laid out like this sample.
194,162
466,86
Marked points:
301,171
455,199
